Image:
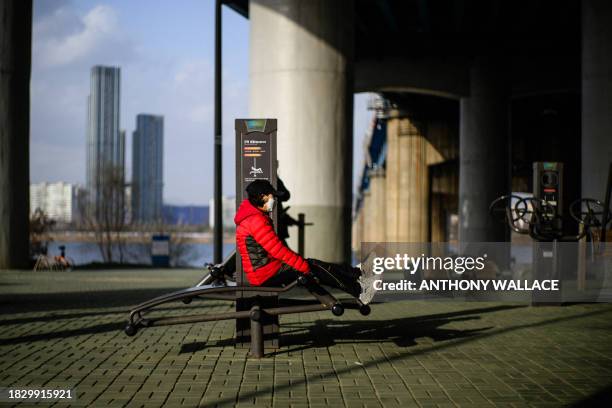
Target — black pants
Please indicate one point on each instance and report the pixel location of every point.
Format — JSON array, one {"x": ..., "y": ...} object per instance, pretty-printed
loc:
[{"x": 343, "y": 277}]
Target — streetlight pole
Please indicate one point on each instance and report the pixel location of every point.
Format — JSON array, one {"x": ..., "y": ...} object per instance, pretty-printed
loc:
[{"x": 218, "y": 231}]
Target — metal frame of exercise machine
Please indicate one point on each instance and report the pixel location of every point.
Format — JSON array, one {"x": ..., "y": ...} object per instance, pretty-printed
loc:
[{"x": 215, "y": 285}]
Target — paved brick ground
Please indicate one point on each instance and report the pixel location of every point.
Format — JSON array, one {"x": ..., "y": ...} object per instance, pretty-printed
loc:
[{"x": 64, "y": 330}]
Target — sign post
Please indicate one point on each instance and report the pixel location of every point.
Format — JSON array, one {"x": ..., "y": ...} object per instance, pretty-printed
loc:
[
  {"x": 547, "y": 262},
  {"x": 160, "y": 250},
  {"x": 255, "y": 160}
]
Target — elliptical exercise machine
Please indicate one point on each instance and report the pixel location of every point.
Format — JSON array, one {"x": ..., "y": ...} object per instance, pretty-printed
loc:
[{"x": 540, "y": 216}]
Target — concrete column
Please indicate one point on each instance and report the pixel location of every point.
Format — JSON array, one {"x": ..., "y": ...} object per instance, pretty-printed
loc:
[
  {"x": 392, "y": 187},
  {"x": 15, "y": 51},
  {"x": 406, "y": 181},
  {"x": 377, "y": 207},
  {"x": 414, "y": 189},
  {"x": 301, "y": 73},
  {"x": 596, "y": 96},
  {"x": 483, "y": 153},
  {"x": 368, "y": 217},
  {"x": 358, "y": 234}
]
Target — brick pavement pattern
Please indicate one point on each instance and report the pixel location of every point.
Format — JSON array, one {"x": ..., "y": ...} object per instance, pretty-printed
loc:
[{"x": 64, "y": 330}]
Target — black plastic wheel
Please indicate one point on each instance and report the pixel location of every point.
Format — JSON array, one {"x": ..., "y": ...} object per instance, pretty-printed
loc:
[
  {"x": 187, "y": 300},
  {"x": 365, "y": 310},
  {"x": 130, "y": 329},
  {"x": 337, "y": 309}
]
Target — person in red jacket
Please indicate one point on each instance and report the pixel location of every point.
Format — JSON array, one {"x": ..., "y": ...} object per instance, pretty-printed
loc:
[{"x": 266, "y": 261}]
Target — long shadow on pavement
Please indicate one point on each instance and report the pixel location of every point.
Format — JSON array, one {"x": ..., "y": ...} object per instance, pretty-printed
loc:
[
  {"x": 96, "y": 329},
  {"x": 30, "y": 338},
  {"x": 602, "y": 398},
  {"x": 412, "y": 353},
  {"x": 55, "y": 315},
  {"x": 43, "y": 302},
  {"x": 55, "y": 303},
  {"x": 403, "y": 331}
]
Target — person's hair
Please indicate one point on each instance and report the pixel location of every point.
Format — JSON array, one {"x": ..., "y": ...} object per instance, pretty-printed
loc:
[
  {"x": 257, "y": 200},
  {"x": 257, "y": 190}
]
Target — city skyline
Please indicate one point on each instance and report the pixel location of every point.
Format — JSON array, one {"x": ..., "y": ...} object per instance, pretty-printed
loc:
[{"x": 169, "y": 72}]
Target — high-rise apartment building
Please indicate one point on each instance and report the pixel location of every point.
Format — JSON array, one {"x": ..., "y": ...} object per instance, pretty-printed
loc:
[
  {"x": 228, "y": 210},
  {"x": 59, "y": 201},
  {"x": 147, "y": 168},
  {"x": 105, "y": 143}
]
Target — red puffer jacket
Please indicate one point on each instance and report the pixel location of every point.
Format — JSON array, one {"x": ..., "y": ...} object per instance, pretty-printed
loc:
[{"x": 260, "y": 249}]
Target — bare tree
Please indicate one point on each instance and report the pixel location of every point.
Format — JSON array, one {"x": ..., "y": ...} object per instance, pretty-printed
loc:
[
  {"x": 181, "y": 251},
  {"x": 105, "y": 214},
  {"x": 40, "y": 225}
]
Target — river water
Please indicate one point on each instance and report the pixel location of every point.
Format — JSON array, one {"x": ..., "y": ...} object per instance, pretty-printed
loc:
[{"x": 194, "y": 255}]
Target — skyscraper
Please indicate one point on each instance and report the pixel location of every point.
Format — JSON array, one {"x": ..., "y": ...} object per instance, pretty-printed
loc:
[
  {"x": 105, "y": 144},
  {"x": 147, "y": 168}
]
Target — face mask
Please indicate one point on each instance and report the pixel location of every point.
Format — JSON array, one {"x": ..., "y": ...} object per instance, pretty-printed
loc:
[{"x": 270, "y": 204}]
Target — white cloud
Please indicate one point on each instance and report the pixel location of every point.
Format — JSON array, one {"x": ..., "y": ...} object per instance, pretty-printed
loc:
[
  {"x": 177, "y": 85},
  {"x": 201, "y": 113},
  {"x": 192, "y": 88},
  {"x": 198, "y": 72},
  {"x": 63, "y": 37}
]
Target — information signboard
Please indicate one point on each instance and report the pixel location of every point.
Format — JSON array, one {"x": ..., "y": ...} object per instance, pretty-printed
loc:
[{"x": 255, "y": 160}]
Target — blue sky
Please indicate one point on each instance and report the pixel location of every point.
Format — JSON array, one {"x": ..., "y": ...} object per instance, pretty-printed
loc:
[{"x": 165, "y": 51}]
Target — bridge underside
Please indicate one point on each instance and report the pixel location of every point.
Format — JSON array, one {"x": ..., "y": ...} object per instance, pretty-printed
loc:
[
  {"x": 498, "y": 83},
  {"x": 479, "y": 90}
]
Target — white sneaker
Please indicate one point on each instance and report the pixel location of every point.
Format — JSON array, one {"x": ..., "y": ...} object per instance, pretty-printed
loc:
[
  {"x": 367, "y": 266},
  {"x": 367, "y": 289}
]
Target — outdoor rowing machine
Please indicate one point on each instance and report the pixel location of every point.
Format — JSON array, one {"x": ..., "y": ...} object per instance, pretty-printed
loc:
[{"x": 230, "y": 291}]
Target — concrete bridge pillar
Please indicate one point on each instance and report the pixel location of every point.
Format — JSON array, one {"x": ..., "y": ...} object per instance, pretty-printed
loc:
[
  {"x": 376, "y": 207},
  {"x": 357, "y": 235},
  {"x": 15, "y": 51},
  {"x": 301, "y": 56},
  {"x": 406, "y": 180},
  {"x": 596, "y": 96},
  {"x": 483, "y": 152},
  {"x": 367, "y": 219}
]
